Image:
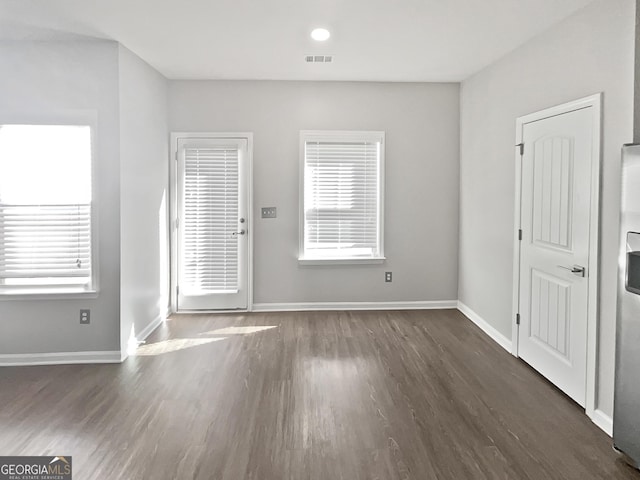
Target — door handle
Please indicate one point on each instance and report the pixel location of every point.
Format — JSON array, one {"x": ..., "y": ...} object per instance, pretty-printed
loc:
[
  {"x": 576, "y": 270},
  {"x": 241, "y": 232}
]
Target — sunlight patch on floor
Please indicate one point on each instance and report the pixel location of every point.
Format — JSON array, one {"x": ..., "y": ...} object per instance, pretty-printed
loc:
[
  {"x": 239, "y": 330},
  {"x": 172, "y": 345}
]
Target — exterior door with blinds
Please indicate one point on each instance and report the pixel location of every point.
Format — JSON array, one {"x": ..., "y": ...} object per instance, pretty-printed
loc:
[{"x": 212, "y": 223}]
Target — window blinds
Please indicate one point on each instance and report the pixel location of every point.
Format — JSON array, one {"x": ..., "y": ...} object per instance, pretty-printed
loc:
[
  {"x": 45, "y": 244},
  {"x": 341, "y": 199},
  {"x": 210, "y": 216},
  {"x": 45, "y": 206}
]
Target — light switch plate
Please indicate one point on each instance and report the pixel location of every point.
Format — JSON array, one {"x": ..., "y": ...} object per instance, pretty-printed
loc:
[{"x": 268, "y": 212}]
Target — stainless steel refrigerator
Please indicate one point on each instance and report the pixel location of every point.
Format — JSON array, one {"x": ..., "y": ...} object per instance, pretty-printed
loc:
[{"x": 626, "y": 415}]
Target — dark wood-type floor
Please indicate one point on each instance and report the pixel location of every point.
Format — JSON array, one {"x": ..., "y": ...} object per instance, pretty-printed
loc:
[{"x": 331, "y": 395}]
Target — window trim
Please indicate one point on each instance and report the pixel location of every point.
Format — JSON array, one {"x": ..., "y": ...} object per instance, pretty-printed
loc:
[
  {"x": 341, "y": 135},
  {"x": 81, "y": 117}
]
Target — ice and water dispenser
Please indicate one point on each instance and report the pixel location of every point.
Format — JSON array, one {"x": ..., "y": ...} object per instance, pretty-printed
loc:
[{"x": 633, "y": 263}]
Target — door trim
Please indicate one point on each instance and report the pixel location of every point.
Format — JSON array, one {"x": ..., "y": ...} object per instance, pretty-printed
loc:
[
  {"x": 173, "y": 200},
  {"x": 594, "y": 102}
]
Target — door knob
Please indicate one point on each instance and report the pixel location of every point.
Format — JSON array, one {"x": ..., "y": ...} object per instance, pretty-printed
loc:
[
  {"x": 576, "y": 270},
  {"x": 241, "y": 232}
]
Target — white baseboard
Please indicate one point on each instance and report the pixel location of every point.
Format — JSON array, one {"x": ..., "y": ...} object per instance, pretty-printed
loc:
[
  {"x": 133, "y": 344},
  {"x": 495, "y": 335},
  {"x": 66, "y": 358},
  {"x": 58, "y": 358},
  {"x": 603, "y": 421},
  {"x": 310, "y": 306},
  {"x": 149, "y": 329}
]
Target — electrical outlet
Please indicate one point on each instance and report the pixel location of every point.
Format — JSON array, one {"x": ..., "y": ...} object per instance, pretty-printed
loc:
[
  {"x": 268, "y": 212},
  {"x": 85, "y": 317},
  {"x": 388, "y": 277}
]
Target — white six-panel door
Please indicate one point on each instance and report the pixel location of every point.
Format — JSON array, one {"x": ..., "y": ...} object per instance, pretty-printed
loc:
[{"x": 554, "y": 251}]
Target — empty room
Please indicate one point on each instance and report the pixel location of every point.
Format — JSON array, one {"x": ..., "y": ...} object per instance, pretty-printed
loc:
[{"x": 304, "y": 239}]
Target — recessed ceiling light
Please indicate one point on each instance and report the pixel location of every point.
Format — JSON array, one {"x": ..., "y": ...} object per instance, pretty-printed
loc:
[{"x": 320, "y": 34}]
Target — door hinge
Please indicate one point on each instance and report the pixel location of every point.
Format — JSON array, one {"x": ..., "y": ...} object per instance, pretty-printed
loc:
[
  {"x": 517, "y": 319},
  {"x": 177, "y": 289},
  {"x": 521, "y": 147},
  {"x": 520, "y": 234},
  {"x": 177, "y": 223},
  {"x": 176, "y": 155}
]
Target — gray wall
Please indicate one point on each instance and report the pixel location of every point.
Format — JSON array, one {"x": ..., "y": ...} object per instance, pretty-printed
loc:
[
  {"x": 47, "y": 78},
  {"x": 144, "y": 151},
  {"x": 636, "y": 110},
  {"x": 593, "y": 51},
  {"x": 421, "y": 200}
]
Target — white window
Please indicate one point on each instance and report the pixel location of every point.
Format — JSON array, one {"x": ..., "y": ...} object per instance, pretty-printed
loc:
[
  {"x": 45, "y": 209},
  {"x": 341, "y": 191}
]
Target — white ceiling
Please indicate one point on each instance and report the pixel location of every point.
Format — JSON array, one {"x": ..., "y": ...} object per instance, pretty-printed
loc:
[{"x": 372, "y": 40}]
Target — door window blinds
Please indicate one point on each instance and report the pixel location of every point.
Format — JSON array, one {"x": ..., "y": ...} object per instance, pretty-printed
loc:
[
  {"x": 209, "y": 218},
  {"x": 342, "y": 197},
  {"x": 45, "y": 207}
]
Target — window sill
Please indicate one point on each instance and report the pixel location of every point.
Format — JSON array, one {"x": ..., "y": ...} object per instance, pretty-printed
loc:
[
  {"x": 341, "y": 261},
  {"x": 49, "y": 294}
]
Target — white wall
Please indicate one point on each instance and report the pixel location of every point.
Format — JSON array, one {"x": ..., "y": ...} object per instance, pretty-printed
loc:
[
  {"x": 144, "y": 153},
  {"x": 48, "y": 78},
  {"x": 592, "y": 51},
  {"x": 421, "y": 200}
]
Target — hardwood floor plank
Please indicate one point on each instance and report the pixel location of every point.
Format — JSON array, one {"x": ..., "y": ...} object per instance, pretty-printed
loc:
[{"x": 316, "y": 395}]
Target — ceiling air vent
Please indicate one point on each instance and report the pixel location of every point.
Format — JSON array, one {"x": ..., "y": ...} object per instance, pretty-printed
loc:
[{"x": 318, "y": 58}]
